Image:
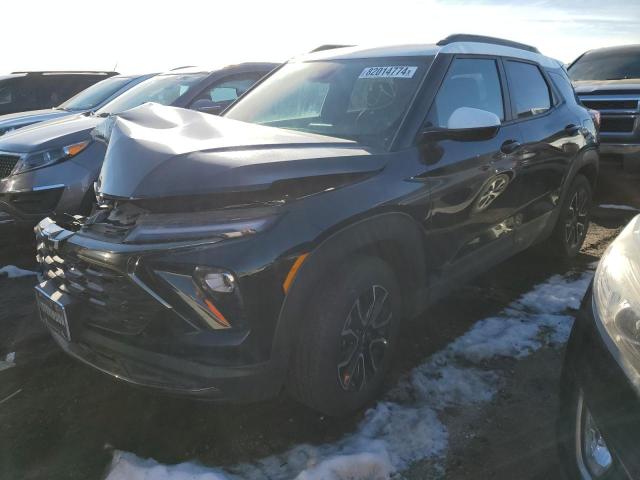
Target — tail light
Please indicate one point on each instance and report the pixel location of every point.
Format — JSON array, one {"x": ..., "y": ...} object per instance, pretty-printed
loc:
[{"x": 595, "y": 115}]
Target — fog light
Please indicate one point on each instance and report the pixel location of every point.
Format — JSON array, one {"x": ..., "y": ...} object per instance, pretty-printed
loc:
[
  {"x": 596, "y": 457},
  {"x": 221, "y": 282}
]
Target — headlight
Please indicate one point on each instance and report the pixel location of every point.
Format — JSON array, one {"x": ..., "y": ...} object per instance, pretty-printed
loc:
[
  {"x": 616, "y": 290},
  {"x": 203, "y": 225},
  {"x": 31, "y": 161}
]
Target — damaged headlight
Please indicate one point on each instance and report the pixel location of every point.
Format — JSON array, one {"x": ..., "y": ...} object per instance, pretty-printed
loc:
[
  {"x": 32, "y": 161},
  {"x": 616, "y": 291},
  {"x": 173, "y": 227}
]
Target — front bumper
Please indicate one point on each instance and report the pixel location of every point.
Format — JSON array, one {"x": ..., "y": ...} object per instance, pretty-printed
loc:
[
  {"x": 620, "y": 149},
  {"x": 29, "y": 206},
  {"x": 592, "y": 365},
  {"x": 28, "y": 197},
  {"x": 124, "y": 321}
]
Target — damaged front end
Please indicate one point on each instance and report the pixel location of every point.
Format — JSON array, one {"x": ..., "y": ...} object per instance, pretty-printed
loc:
[{"x": 176, "y": 279}]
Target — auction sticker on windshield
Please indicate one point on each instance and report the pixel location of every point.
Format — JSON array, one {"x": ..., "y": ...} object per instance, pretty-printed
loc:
[{"x": 397, "y": 71}]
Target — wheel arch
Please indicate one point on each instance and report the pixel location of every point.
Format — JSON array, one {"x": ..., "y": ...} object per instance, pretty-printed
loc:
[{"x": 394, "y": 237}]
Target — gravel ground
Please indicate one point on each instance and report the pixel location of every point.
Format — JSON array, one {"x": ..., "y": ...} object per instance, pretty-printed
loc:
[{"x": 62, "y": 419}]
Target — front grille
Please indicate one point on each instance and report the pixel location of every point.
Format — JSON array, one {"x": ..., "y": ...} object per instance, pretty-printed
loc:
[
  {"x": 617, "y": 124},
  {"x": 108, "y": 299},
  {"x": 611, "y": 104},
  {"x": 7, "y": 164}
]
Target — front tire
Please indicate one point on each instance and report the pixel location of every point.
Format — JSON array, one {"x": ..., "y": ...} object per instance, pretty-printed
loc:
[{"x": 347, "y": 341}]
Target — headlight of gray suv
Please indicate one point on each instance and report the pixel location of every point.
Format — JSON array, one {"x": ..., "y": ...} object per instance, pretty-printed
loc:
[
  {"x": 616, "y": 291},
  {"x": 32, "y": 161}
]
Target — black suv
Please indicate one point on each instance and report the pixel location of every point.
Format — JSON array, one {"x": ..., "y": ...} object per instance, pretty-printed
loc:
[
  {"x": 282, "y": 244},
  {"x": 608, "y": 80},
  {"x": 22, "y": 91}
]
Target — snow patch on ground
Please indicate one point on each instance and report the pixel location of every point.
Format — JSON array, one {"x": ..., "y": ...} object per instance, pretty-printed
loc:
[
  {"x": 12, "y": 271},
  {"x": 8, "y": 362},
  {"x": 406, "y": 427}
]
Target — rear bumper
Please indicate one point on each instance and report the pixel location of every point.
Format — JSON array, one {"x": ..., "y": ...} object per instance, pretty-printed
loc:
[
  {"x": 620, "y": 149},
  {"x": 612, "y": 398}
]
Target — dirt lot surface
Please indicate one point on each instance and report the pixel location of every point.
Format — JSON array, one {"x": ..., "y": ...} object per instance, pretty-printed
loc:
[{"x": 61, "y": 420}]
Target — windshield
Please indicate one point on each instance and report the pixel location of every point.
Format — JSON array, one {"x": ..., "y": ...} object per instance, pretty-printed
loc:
[
  {"x": 163, "y": 89},
  {"x": 606, "y": 66},
  {"x": 363, "y": 100},
  {"x": 96, "y": 94}
]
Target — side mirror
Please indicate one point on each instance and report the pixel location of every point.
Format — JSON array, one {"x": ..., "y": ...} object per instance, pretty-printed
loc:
[
  {"x": 205, "y": 105},
  {"x": 465, "y": 124}
]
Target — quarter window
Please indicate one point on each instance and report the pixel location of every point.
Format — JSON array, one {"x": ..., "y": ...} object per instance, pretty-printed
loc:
[
  {"x": 529, "y": 89},
  {"x": 472, "y": 83}
]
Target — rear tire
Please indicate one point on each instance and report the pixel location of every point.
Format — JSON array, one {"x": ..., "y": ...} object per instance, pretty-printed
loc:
[
  {"x": 573, "y": 222},
  {"x": 347, "y": 340}
]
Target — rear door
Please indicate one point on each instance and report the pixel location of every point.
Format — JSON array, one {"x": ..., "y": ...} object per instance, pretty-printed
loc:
[
  {"x": 472, "y": 183},
  {"x": 549, "y": 133}
]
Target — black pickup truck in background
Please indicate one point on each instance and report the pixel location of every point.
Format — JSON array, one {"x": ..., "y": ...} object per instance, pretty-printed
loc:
[{"x": 608, "y": 80}]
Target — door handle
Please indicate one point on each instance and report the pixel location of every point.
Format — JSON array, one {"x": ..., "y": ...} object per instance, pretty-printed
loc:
[
  {"x": 510, "y": 146},
  {"x": 572, "y": 129}
]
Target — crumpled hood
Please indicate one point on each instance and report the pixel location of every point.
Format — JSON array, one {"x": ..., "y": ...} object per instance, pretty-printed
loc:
[
  {"x": 158, "y": 151},
  {"x": 593, "y": 86},
  {"x": 22, "y": 119},
  {"x": 52, "y": 134}
]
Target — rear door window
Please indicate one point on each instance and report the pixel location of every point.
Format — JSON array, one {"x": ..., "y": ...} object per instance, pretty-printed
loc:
[
  {"x": 472, "y": 83},
  {"x": 529, "y": 90}
]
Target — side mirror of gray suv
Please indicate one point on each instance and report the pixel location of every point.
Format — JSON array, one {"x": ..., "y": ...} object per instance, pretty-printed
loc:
[{"x": 205, "y": 105}]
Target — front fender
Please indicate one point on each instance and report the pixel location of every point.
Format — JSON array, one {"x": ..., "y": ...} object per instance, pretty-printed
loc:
[{"x": 395, "y": 236}]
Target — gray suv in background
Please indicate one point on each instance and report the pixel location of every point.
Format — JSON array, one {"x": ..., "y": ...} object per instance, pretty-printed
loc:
[
  {"x": 608, "y": 80},
  {"x": 50, "y": 167},
  {"x": 88, "y": 100}
]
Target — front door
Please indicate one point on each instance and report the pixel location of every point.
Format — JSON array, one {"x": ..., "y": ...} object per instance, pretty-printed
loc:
[{"x": 472, "y": 184}]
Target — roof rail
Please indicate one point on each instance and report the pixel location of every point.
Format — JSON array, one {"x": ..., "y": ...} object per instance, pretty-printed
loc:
[
  {"x": 43, "y": 72},
  {"x": 463, "y": 37},
  {"x": 328, "y": 47}
]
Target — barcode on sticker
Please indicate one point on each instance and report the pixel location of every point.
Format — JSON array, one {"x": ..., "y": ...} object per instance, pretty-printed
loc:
[{"x": 397, "y": 71}]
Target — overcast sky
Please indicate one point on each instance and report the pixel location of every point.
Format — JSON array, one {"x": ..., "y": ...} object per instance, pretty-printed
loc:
[{"x": 142, "y": 35}]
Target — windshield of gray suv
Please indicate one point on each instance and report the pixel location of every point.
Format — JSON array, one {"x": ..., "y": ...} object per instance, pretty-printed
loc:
[
  {"x": 95, "y": 94},
  {"x": 363, "y": 100},
  {"x": 163, "y": 89},
  {"x": 606, "y": 65}
]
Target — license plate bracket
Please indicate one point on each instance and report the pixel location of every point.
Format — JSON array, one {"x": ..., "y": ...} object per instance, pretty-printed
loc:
[{"x": 53, "y": 313}]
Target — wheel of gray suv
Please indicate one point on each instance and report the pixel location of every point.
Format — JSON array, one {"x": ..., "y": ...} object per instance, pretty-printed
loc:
[
  {"x": 582, "y": 448},
  {"x": 348, "y": 337},
  {"x": 573, "y": 222}
]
